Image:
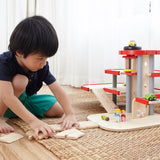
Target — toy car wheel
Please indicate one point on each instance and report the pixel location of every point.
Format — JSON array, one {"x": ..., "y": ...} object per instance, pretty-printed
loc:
[
  {"x": 150, "y": 99},
  {"x": 154, "y": 99},
  {"x": 132, "y": 48}
]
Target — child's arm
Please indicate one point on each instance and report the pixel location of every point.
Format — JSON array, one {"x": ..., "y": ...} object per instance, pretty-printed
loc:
[
  {"x": 12, "y": 102},
  {"x": 69, "y": 119}
]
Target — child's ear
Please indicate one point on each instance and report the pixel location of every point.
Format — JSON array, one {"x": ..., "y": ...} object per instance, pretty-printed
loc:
[{"x": 19, "y": 54}]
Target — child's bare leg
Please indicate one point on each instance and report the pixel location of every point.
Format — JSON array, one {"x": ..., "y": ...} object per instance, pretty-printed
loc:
[
  {"x": 19, "y": 84},
  {"x": 55, "y": 111},
  {"x": 4, "y": 127}
]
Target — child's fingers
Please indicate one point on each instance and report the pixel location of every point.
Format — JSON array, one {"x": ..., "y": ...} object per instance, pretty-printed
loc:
[
  {"x": 43, "y": 131},
  {"x": 36, "y": 134},
  {"x": 46, "y": 132},
  {"x": 50, "y": 131},
  {"x": 60, "y": 122},
  {"x": 66, "y": 125}
]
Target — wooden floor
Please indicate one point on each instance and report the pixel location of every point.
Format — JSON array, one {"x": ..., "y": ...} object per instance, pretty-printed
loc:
[{"x": 24, "y": 149}]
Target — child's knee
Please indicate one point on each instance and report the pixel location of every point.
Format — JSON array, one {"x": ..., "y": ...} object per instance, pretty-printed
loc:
[
  {"x": 19, "y": 83},
  {"x": 55, "y": 111},
  {"x": 59, "y": 111}
]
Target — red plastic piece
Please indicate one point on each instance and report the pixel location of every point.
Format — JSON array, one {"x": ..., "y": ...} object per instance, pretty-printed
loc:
[
  {"x": 151, "y": 52},
  {"x": 139, "y": 52},
  {"x": 142, "y": 100},
  {"x": 114, "y": 71},
  {"x": 157, "y": 88},
  {"x": 156, "y": 73},
  {"x": 119, "y": 71},
  {"x": 111, "y": 91},
  {"x": 85, "y": 88},
  {"x": 132, "y": 52},
  {"x": 130, "y": 73},
  {"x": 157, "y": 96}
]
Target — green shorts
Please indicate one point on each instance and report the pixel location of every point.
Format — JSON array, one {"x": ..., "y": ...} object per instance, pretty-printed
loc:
[{"x": 36, "y": 104}]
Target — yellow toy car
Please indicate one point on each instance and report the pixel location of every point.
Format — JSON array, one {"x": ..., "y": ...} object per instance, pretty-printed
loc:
[{"x": 132, "y": 43}]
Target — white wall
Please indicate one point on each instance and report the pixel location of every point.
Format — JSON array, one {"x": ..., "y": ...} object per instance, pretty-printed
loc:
[{"x": 91, "y": 32}]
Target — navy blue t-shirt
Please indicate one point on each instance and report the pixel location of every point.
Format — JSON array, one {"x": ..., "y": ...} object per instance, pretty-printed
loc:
[{"x": 9, "y": 67}]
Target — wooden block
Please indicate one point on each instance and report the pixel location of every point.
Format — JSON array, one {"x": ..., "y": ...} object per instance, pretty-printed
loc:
[
  {"x": 82, "y": 125},
  {"x": 57, "y": 128},
  {"x": 30, "y": 135},
  {"x": 70, "y": 134},
  {"x": 139, "y": 110},
  {"x": 10, "y": 137},
  {"x": 133, "y": 88},
  {"x": 87, "y": 125},
  {"x": 75, "y": 135}
]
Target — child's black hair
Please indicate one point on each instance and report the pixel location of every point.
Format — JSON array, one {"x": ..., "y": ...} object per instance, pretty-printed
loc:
[{"x": 34, "y": 34}]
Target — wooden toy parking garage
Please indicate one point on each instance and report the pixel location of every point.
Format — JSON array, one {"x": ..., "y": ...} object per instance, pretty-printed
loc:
[{"x": 140, "y": 73}]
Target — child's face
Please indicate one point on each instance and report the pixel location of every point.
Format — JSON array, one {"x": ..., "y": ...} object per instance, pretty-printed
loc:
[{"x": 32, "y": 62}]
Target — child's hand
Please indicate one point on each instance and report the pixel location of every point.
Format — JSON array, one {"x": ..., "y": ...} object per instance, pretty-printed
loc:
[
  {"x": 69, "y": 121},
  {"x": 40, "y": 126}
]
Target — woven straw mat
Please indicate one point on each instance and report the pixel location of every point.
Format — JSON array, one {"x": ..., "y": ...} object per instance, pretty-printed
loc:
[{"x": 98, "y": 144}]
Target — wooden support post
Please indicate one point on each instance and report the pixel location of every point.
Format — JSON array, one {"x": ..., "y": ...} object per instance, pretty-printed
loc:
[
  {"x": 133, "y": 79},
  {"x": 127, "y": 63},
  {"x": 134, "y": 65}
]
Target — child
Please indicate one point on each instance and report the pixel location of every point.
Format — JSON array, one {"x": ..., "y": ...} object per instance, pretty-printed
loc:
[{"x": 23, "y": 70}]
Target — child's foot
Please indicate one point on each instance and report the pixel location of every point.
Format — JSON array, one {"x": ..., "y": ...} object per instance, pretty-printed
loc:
[{"x": 5, "y": 128}]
